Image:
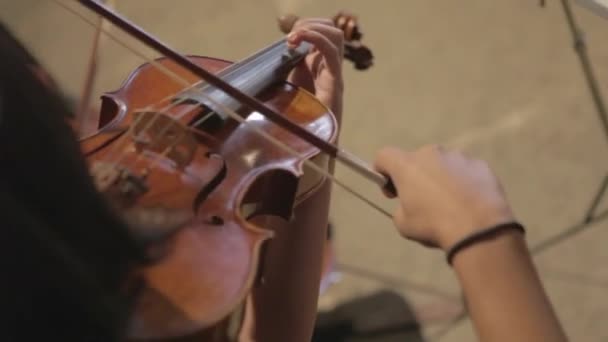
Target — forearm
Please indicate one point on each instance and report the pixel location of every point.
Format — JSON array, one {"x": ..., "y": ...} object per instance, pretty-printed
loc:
[
  {"x": 504, "y": 294},
  {"x": 284, "y": 307}
]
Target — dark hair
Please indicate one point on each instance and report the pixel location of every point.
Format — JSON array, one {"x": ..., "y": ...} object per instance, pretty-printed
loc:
[{"x": 66, "y": 255}]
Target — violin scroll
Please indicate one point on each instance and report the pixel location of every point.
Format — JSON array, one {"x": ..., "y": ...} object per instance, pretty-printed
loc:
[
  {"x": 354, "y": 50},
  {"x": 347, "y": 22}
]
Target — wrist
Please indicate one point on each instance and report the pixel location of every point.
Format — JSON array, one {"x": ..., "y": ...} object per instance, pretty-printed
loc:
[
  {"x": 503, "y": 245},
  {"x": 481, "y": 236},
  {"x": 456, "y": 230}
]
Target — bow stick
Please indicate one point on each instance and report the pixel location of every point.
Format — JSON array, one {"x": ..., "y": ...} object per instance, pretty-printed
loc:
[
  {"x": 345, "y": 157},
  {"x": 83, "y": 110}
]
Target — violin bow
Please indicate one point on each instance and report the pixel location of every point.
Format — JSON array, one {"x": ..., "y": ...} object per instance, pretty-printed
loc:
[
  {"x": 83, "y": 111},
  {"x": 346, "y": 158}
]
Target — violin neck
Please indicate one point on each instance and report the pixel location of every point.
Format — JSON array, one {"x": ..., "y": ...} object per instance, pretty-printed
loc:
[{"x": 251, "y": 75}]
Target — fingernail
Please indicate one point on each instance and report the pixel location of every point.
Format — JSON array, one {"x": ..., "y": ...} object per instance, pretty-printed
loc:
[{"x": 292, "y": 36}]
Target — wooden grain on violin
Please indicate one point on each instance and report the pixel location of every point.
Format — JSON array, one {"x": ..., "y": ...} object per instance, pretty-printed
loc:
[
  {"x": 196, "y": 188},
  {"x": 230, "y": 176}
]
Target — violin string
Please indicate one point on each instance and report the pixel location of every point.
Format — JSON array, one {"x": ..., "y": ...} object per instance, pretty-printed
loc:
[
  {"x": 158, "y": 158},
  {"x": 247, "y": 124},
  {"x": 118, "y": 153},
  {"x": 157, "y": 114},
  {"x": 227, "y": 72},
  {"x": 117, "y": 149},
  {"x": 241, "y": 120},
  {"x": 183, "y": 112},
  {"x": 119, "y": 145},
  {"x": 123, "y": 141},
  {"x": 255, "y": 66},
  {"x": 177, "y": 116}
]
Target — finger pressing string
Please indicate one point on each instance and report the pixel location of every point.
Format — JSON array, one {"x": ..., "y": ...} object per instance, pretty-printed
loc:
[{"x": 322, "y": 43}]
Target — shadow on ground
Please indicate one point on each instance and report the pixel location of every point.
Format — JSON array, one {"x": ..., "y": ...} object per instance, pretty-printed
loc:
[{"x": 381, "y": 316}]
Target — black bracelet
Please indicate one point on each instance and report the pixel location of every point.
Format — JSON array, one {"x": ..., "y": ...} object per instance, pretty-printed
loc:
[{"x": 480, "y": 235}]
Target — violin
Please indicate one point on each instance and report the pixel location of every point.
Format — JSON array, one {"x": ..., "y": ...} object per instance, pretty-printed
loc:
[{"x": 182, "y": 171}]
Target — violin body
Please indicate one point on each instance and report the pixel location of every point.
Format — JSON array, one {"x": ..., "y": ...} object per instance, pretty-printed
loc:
[{"x": 212, "y": 183}]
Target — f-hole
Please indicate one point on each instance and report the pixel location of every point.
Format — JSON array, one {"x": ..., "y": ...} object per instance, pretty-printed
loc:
[
  {"x": 273, "y": 193},
  {"x": 109, "y": 110},
  {"x": 270, "y": 198}
]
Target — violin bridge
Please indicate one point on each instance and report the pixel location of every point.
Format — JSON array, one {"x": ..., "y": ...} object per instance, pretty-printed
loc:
[{"x": 165, "y": 136}]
